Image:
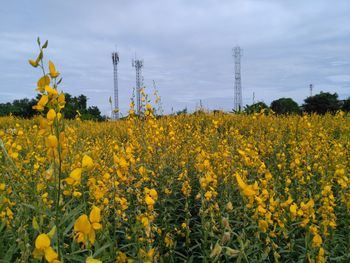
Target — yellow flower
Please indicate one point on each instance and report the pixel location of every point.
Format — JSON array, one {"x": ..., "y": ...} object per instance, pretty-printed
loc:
[
  {"x": 317, "y": 241},
  {"x": 50, "y": 254},
  {"x": 263, "y": 225},
  {"x": 82, "y": 225},
  {"x": 33, "y": 63},
  {"x": 248, "y": 190},
  {"x": 83, "y": 230},
  {"x": 293, "y": 209},
  {"x": 87, "y": 162},
  {"x": 42, "y": 82},
  {"x": 51, "y": 115},
  {"x": 92, "y": 260},
  {"x": 320, "y": 257},
  {"x": 61, "y": 100},
  {"x": 153, "y": 194},
  {"x": 52, "y": 141},
  {"x": 95, "y": 217},
  {"x": 51, "y": 92},
  {"x": 208, "y": 195},
  {"x": 43, "y": 248},
  {"x": 149, "y": 201},
  {"x": 53, "y": 72},
  {"x": 41, "y": 103},
  {"x": 74, "y": 177},
  {"x": 42, "y": 242},
  {"x": 168, "y": 240}
]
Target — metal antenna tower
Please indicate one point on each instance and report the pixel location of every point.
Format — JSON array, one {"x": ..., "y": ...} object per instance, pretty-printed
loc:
[
  {"x": 311, "y": 87},
  {"x": 138, "y": 64},
  {"x": 238, "y": 88},
  {"x": 115, "y": 60}
]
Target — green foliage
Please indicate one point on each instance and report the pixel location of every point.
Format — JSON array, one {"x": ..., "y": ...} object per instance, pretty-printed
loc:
[
  {"x": 180, "y": 112},
  {"x": 285, "y": 106},
  {"x": 322, "y": 103},
  {"x": 24, "y": 108},
  {"x": 20, "y": 108},
  {"x": 255, "y": 108},
  {"x": 346, "y": 105}
]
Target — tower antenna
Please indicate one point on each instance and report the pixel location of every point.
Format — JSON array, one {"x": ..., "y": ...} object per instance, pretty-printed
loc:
[
  {"x": 311, "y": 87},
  {"x": 115, "y": 60},
  {"x": 237, "y": 87},
  {"x": 138, "y": 64}
]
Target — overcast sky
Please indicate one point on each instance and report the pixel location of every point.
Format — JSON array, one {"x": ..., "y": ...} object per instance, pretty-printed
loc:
[{"x": 186, "y": 46}]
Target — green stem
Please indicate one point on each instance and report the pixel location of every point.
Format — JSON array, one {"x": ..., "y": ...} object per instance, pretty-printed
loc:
[{"x": 57, "y": 221}]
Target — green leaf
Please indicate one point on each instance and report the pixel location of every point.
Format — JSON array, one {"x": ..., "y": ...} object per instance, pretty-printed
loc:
[
  {"x": 38, "y": 41},
  {"x": 59, "y": 81},
  {"x": 101, "y": 249},
  {"x": 45, "y": 44}
]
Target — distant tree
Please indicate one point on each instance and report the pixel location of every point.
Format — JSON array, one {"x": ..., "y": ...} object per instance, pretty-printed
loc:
[
  {"x": 285, "y": 106},
  {"x": 20, "y": 108},
  {"x": 254, "y": 108},
  {"x": 218, "y": 112},
  {"x": 92, "y": 113},
  {"x": 70, "y": 108},
  {"x": 322, "y": 103},
  {"x": 81, "y": 102},
  {"x": 24, "y": 108},
  {"x": 346, "y": 105},
  {"x": 182, "y": 112},
  {"x": 5, "y": 108}
]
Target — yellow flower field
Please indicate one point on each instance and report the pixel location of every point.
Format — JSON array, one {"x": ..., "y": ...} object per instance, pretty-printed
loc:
[{"x": 192, "y": 188}]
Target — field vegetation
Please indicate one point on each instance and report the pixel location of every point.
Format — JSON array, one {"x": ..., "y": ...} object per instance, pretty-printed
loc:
[{"x": 190, "y": 188}]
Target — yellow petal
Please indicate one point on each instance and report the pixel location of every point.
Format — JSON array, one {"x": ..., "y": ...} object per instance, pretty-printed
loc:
[
  {"x": 43, "y": 81},
  {"x": 50, "y": 254},
  {"x": 149, "y": 200},
  {"x": 240, "y": 182},
  {"x": 51, "y": 115},
  {"x": 95, "y": 215},
  {"x": 92, "y": 260},
  {"x": 53, "y": 72},
  {"x": 52, "y": 141},
  {"x": 82, "y": 224},
  {"x": 263, "y": 225},
  {"x": 92, "y": 236},
  {"x": 43, "y": 101},
  {"x": 96, "y": 226},
  {"x": 61, "y": 99},
  {"x": 33, "y": 63},
  {"x": 51, "y": 91},
  {"x": 42, "y": 241},
  {"x": 153, "y": 194},
  {"x": 87, "y": 162},
  {"x": 76, "y": 175},
  {"x": 70, "y": 180}
]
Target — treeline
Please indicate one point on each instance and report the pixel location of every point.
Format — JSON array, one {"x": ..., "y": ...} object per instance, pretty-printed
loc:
[
  {"x": 321, "y": 103},
  {"x": 74, "y": 106}
]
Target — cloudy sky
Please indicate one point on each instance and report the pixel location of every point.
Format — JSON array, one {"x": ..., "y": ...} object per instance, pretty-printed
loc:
[{"x": 186, "y": 47}]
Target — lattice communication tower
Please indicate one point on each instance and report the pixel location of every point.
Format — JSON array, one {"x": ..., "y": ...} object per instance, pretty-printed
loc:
[
  {"x": 237, "y": 54},
  {"x": 115, "y": 60},
  {"x": 311, "y": 87},
  {"x": 138, "y": 65}
]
